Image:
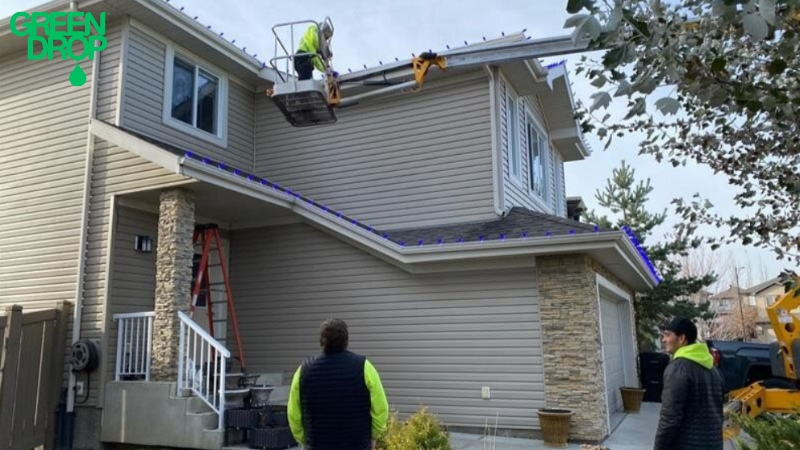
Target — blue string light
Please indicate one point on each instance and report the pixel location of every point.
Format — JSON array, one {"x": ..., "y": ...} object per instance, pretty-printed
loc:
[
  {"x": 635, "y": 241},
  {"x": 502, "y": 236},
  {"x": 556, "y": 64}
]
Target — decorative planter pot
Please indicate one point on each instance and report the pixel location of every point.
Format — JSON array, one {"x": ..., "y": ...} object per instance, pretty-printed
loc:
[
  {"x": 632, "y": 399},
  {"x": 248, "y": 380},
  {"x": 259, "y": 396},
  {"x": 271, "y": 438},
  {"x": 232, "y": 380},
  {"x": 555, "y": 426},
  {"x": 234, "y": 399}
]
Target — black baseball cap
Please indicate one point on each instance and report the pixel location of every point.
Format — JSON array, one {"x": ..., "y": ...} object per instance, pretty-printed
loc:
[{"x": 682, "y": 326}]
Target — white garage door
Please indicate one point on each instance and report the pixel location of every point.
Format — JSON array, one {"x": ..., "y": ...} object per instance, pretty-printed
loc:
[{"x": 610, "y": 315}]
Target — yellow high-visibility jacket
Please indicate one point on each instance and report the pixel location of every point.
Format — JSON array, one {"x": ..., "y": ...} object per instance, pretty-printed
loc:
[{"x": 309, "y": 43}]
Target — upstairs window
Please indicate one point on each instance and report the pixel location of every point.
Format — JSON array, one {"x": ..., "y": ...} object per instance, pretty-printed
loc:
[
  {"x": 194, "y": 100},
  {"x": 771, "y": 299},
  {"x": 538, "y": 151}
]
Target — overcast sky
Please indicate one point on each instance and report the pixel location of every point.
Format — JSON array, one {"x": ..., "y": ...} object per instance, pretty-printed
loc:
[{"x": 369, "y": 31}]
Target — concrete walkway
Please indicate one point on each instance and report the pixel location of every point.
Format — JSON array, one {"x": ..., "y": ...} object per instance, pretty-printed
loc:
[
  {"x": 635, "y": 432},
  {"x": 638, "y": 431}
]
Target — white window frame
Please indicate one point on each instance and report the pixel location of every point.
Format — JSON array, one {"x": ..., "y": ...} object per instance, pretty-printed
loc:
[
  {"x": 513, "y": 133},
  {"x": 751, "y": 300},
  {"x": 559, "y": 196},
  {"x": 767, "y": 303},
  {"x": 221, "y": 137},
  {"x": 546, "y": 155}
]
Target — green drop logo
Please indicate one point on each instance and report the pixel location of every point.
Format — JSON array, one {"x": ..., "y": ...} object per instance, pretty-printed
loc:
[{"x": 77, "y": 77}]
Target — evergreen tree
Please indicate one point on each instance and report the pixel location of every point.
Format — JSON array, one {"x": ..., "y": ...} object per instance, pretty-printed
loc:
[{"x": 626, "y": 198}]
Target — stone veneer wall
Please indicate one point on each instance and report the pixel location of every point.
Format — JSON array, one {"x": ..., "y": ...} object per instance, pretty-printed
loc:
[
  {"x": 173, "y": 279},
  {"x": 573, "y": 366}
]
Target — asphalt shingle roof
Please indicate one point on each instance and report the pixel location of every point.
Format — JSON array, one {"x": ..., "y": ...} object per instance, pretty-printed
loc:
[{"x": 518, "y": 223}]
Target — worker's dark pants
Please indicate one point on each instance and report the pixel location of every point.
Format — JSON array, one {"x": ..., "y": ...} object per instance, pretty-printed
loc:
[{"x": 303, "y": 66}]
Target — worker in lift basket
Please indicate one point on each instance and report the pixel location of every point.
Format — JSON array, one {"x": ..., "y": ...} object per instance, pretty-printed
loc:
[{"x": 310, "y": 43}]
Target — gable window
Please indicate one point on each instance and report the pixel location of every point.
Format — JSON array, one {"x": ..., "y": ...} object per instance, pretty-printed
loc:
[
  {"x": 537, "y": 160},
  {"x": 194, "y": 99},
  {"x": 512, "y": 115}
]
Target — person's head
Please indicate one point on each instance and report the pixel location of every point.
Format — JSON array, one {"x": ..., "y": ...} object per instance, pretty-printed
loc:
[
  {"x": 326, "y": 30},
  {"x": 678, "y": 333},
  {"x": 333, "y": 336}
]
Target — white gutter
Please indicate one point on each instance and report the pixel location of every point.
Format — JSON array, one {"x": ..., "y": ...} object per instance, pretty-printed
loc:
[
  {"x": 405, "y": 256},
  {"x": 210, "y": 38},
  {"x": 84, "y": 237}
]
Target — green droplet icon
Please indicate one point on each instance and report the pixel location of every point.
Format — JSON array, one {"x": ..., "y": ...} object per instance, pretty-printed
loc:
[{"x": 77, "y": 77}]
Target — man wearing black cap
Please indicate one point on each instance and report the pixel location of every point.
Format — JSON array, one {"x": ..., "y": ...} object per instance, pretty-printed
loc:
[{"x": 692, "y": 400}]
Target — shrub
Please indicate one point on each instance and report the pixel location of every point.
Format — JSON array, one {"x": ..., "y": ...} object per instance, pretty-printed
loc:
[
  {"x": 770, "y": 432},
  {"x": 422, "y": 431}
]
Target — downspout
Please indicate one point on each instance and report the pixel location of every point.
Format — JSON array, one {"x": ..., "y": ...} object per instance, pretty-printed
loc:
[
  {"x": 497, "y": 162},
  {"x": 82, "y": 248}
]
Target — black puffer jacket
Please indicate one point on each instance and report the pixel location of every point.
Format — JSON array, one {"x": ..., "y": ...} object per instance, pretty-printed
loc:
[{"x": 691, "y": 408}]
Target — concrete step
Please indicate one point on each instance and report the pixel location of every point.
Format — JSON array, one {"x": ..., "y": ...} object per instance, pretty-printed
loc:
[{"x": 202, "y": 421}]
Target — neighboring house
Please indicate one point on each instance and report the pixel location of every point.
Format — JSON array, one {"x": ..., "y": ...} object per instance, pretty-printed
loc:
[
  {"x": 762, "y": 296},
  {"x": 435, "y": 224},
  {"x": 724, "y": 302}
]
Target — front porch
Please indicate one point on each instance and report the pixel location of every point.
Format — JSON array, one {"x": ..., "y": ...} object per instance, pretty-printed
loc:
[{"x": 177, "y": 374}]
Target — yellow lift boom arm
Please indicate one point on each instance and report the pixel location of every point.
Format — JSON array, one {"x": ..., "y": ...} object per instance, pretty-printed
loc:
[{"x": 763, "y": 397}]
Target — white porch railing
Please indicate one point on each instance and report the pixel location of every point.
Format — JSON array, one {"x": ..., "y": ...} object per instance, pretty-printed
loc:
[
  {"x": 201, "y": 366},
  {"x": 134, "y": 344}
]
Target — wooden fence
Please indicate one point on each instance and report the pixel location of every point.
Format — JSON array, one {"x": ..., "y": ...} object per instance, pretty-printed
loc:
[{"x": 31, "y": 370}]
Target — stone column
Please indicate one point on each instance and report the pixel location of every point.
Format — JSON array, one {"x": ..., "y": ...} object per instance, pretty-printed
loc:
[
  {"x": 573, "y": 364},
  {"x": 173, "y": 279}
]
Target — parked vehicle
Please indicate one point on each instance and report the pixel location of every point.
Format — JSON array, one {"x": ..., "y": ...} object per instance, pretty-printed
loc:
[{"x": 741, "y": 363}]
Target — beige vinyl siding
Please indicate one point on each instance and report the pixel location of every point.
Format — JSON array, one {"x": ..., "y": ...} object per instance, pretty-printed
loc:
[
  {"x": 43, "y": 133},
  {"x": 436, "y": 339},
  {"x": 115, "y": 170},
  {"x": 517, "y": 192},
  {"x": 108, "y": 78},
  {"x": 143, "y": 105},
  {"x": 133, "y": 277},
  {"x": 409, "y": 160}
]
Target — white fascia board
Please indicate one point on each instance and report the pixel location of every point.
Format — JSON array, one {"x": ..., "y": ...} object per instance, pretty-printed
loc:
[
  {"x": 203, "y": 34},
  {"x": 227, "y": 180},
  {"x": 133, "y": 144},
  {"x": 632, "y": 257},
  {"x": 561, "y": 71},
  {"x": 406, "y": 257}
]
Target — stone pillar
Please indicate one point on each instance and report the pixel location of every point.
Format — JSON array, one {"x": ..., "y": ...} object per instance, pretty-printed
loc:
[
  {"x": 573, "y": 364},
  {"x": 173, "y": 279}
]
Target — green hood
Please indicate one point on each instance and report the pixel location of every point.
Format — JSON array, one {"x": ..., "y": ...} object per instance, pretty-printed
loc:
[{"x": 697, "y": 352}]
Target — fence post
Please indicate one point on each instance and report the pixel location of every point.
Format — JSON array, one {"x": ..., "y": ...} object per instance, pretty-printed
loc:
[
  {"x": 56, "y": 377},
  {"x": 9, "y": 364}
]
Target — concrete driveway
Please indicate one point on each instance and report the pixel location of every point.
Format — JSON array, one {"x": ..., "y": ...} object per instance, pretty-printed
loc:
[{"x": 638, "y": 431}]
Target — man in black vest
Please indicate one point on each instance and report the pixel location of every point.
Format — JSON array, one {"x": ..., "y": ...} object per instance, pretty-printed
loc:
[{"x": 336, "y": 401}]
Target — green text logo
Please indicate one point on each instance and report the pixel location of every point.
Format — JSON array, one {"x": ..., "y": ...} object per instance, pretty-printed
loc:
[{"x": 62, "y": 30}]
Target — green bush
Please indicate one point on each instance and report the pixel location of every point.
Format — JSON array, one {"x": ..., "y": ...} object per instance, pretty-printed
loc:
[
  {"x": 422, "y": 431},
  {"x": 770, "y": 432}
]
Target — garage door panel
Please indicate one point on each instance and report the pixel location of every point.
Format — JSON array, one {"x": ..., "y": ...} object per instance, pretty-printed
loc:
[{"x": 612, "y": 352}]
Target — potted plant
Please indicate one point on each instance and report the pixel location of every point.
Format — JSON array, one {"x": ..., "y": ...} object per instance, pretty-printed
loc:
[
  {"x": 555, "y": 426},
  {"x": 632, "y": 399}
]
